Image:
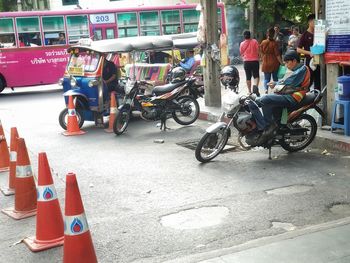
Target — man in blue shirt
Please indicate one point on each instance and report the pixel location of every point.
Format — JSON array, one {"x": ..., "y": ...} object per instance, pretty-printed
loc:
[
  {"x": 188, "y": 62},
  {"x": 295, "y": 88}
]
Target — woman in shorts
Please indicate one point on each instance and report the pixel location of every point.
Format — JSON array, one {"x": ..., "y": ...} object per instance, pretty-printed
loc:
[{"x": 249, "y": 50}]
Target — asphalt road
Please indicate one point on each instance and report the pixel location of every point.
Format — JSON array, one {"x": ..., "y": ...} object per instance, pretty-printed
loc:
[{"x": 128, "y": 183}]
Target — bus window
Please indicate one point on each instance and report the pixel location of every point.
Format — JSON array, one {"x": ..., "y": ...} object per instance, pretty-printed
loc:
[
  {"x": 7, "y": 33},
  {"x": 190, "y": 20},
  {"x": 170, "y": 22},
  {"x": 149, "y": 22},
  {"x": 78, "y": 27},
  {"x": 127, "y": 25},
  {"x": 53, "y": 27},
  {"x": 97, "y": 34},
  {"x": 28, "y": 31},
  {"x": 110, "y": 33}
]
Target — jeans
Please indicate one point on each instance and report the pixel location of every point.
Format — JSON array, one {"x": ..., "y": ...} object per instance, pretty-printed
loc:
[
  {"x": 259, "y": 118},
  {"x": 267, "y": 78},
  {"x": 273, "y": 103}
]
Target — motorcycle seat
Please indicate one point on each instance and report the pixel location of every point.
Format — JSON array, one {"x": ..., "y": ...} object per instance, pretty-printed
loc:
[
  {"x": 308, "y": 99},
  {"x": 159, "y": 90}
]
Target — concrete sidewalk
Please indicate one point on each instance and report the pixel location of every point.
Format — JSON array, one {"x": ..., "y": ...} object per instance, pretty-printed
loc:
[
  {"x": 325, "y": 243},
  {"x": 327, "y": 246}
]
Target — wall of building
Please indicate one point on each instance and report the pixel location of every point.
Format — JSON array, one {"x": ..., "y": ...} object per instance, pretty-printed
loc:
[{"x": 100, "y": 4}]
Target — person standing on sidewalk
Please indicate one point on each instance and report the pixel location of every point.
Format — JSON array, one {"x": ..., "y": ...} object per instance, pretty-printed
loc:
[
  {"x": 305, "y": 42},
  {"x": 278, "y": 37},
  {"x": 249, "y": 50},
  {"x": 293, "y": 40},
  {"x": 271, "y": 58}
]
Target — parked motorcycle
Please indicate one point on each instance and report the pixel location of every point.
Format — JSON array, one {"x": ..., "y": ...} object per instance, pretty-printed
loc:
[
  {"x": 167, "y": 101},
  {"x": 296, "y": 134}
]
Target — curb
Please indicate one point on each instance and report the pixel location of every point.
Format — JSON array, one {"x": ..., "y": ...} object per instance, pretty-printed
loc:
[
  {"x": 323, "y": 140},
  {"x": 207, "y": 116}
]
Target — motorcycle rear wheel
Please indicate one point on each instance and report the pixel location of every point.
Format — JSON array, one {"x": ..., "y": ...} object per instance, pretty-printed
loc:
[
  {"x": 121, "y": 122},
  {"x": 211, "y": 145},
  {"x": 189, "y": 113},
  {"x": 303, "y": 121}
]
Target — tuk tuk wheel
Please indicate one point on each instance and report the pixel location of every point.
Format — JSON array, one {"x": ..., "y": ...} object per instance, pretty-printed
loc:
[
  {"x": 2, "y": 84},
  {"x": 63, "y": 118}
]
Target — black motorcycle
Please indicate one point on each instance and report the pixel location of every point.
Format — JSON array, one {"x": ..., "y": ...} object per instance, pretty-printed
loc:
[
  {"x": 296, "y": 134},
  {"x": 167, "y": 101}
]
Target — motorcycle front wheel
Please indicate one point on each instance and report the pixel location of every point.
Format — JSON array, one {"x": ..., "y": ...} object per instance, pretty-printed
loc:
[
  {"x": 305, "y": 122},
  {"x": 121, "y": 122},
  {"x": 189, "y": 111},
  {"x": 211, "y": 145}
]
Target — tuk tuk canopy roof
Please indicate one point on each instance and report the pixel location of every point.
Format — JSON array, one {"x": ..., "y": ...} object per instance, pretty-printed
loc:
[
  {"x": 143, "y": 43},
  {"x": 186, "y": 43}
]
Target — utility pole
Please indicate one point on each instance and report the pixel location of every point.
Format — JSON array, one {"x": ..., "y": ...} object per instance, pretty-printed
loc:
[
  {"x": 252, "y": 17},
  {"x": 212, "y": 67},
  {"x": 19, "y": 5}
]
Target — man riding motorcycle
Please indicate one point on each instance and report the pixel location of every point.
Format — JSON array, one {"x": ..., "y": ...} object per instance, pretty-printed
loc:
[{"x": 289, "y": 92}]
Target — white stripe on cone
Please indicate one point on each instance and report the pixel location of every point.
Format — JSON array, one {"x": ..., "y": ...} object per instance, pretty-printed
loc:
[
  {"x": 46, "y": 193},
  {"x": 75, "y": 225},
  {"x": 24, "y": 171},
  {"x": 71, "y": 112},
  {"x": 113, "y": 109},
  {"x": 13, "y": 156}
]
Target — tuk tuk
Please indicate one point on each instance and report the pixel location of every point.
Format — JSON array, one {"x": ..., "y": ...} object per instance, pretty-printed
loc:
[{"x": 83, "y": 78}]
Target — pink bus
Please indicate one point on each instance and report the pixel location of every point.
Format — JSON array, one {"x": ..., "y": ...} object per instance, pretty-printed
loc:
[{"x": 33, "y": 44}]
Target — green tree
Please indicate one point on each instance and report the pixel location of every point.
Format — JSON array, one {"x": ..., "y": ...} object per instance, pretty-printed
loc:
[
  {"x": 274, "y": 11},
  {"x": 277, "y": 11},
  {"x": 8, "y": 5}
]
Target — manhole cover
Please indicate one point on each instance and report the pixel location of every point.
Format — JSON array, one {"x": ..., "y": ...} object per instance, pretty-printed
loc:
[
  {"x": 288, "y": 190},
  {"x": 196, "y": 218},
  {"x": 340, "y": 209},
  {"x": 192, "y": 144},
  {"x": 285, "y": 226}
]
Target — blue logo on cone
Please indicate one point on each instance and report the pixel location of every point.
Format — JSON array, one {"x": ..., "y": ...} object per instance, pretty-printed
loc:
[
  {"x": 76, "y": 226},
  {"x": 48, "y": 194}
]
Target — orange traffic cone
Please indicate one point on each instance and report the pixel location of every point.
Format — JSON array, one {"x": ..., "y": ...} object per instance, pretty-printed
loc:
[
  {"x": 112, "y": 112},
  {"x": 49, "y": 220},
  {"x": 4, "y": 152},
  {"x": 25, "y": 191},
  {"x": 72, "y": 123},
  {"x": 78, "y": 246},
  {"x": 13, "y": 159}
]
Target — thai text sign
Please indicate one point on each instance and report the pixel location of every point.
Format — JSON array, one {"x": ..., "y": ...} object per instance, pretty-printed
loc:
[{"x": 338, "y": 18}]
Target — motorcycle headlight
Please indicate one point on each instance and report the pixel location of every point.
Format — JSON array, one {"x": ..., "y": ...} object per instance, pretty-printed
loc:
[
  {"x": 92, "y": 83},
  {"x": 60, "y": 82},
  {"x": 73, "y": 82}
]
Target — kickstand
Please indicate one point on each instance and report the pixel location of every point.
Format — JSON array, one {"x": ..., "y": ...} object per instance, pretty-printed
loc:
[
  {"x": 163, "y": 124},
  {"x": 270, "y": 153}
]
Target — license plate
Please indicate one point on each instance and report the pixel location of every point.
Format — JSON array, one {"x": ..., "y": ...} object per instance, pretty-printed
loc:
[{"x": 76, "y": 71}]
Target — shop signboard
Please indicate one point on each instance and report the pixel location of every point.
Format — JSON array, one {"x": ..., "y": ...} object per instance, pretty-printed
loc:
[{"x": 338, "y": 39}]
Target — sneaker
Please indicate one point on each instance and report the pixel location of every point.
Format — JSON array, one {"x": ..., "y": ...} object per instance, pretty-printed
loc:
[{"x": 256, "y": 90}]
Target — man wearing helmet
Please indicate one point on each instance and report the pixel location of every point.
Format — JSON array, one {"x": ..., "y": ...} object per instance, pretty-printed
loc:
[{"x": 288, "y": 93}]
